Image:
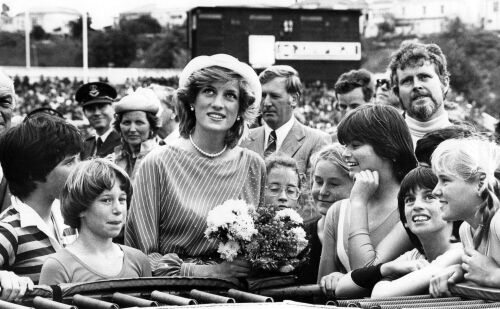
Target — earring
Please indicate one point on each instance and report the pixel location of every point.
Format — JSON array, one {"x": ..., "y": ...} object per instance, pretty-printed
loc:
[
  {"x": 192, "y": 108},
  {"x": 238, "y": 118}
]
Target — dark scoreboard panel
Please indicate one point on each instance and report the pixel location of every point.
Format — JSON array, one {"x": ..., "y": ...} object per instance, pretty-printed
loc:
[{"x": 315, "y": 35}]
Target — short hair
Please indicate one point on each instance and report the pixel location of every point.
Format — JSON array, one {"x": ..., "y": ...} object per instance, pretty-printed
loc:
[
  {"x": 419, "y": 177},
  {"x": 187, "y": 94},
  {"x": 382, "y": 127},
  {"x": 32, "y": 149},
  {"x": 293, "y": 85},
  {"x": 468, "y": 158},
  {"x": 428, "y": 143},
  {"x": 280, "y": 159},
  {"x": 353, "y": 79},
  {"x": 333, "y": 154},
  {"x": 413, "y": 54},
  {"x": 152, "y": 120},
  {"x": 84, "y": 185}
]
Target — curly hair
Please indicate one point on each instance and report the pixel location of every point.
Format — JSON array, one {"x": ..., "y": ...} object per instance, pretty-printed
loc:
[
  {"x": 353, "y": 79},
  {"x": 187, "y": 94},
  {"x": 413, "y": 54}
]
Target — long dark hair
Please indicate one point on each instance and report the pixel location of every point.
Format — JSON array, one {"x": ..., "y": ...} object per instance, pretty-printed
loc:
[{"x": 382, "y": 127}]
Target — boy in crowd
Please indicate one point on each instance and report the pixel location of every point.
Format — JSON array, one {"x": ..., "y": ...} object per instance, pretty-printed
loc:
[{"x": 36, "y": 157}]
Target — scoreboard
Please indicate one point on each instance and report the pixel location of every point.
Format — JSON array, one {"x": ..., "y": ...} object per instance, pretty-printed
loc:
[{"x": 321, "y": 44}]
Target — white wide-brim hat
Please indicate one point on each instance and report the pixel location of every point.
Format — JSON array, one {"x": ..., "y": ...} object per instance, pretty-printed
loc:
[{"x": 231, "y": 63}]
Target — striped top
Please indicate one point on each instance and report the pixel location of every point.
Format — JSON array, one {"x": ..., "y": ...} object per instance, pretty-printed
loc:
[
  {"x": 174, "y": 190},
  {"x": 25, "y": 239}
]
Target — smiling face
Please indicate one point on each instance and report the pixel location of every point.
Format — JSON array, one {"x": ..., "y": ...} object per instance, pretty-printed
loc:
[
  {"x": 421, "y": 91},
  {"x": 106, "y": 215},
  {"x": 277, "y": 104},
  {"x": 282, "y": 182},
  {"x": 422, "y": 212},
  {"x": 330, "y": 184},
  {"x": 135, "y": 127},
  {"x": 216, "y": 106},
  {"x": 360, "y": 156},
  {"x": 459, "y": 198},
  {"x": 99, "y": 116}
]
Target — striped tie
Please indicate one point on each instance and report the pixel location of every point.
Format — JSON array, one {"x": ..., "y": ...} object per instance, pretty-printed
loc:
[{"x": 271, "y": 144}]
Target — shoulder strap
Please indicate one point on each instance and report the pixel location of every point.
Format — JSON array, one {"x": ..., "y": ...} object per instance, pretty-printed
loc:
[{"x": 343, "y": 221}]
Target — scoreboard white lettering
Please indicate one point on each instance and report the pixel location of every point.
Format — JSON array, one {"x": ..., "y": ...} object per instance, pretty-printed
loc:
[{"x": 286, "y": 50}]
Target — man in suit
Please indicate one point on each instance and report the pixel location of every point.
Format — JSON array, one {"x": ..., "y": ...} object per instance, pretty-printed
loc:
[
  {"x": 7, "y": 102},
  {"x": 96, "y": 99},
  {"x": 281, "y": 91}
]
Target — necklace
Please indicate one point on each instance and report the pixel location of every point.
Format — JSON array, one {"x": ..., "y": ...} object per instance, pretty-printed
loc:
[{"x": 207, "y": 154}]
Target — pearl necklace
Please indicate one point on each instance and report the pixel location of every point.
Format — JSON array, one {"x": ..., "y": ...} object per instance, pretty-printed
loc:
[{"x": 207, "y": 154}]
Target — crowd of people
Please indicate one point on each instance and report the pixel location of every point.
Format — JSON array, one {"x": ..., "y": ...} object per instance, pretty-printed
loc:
[{"x": 396, "y": 199}]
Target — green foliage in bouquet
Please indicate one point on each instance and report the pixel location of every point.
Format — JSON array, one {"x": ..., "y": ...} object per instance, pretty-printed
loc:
[{"x": 279, "y": 240}]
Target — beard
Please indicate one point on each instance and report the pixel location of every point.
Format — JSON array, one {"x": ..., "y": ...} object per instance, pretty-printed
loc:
[{"x": 423, "y": 106}]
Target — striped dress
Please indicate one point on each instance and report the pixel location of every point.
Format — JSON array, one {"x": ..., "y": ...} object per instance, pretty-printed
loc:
[{"x": 173, "y": 192}]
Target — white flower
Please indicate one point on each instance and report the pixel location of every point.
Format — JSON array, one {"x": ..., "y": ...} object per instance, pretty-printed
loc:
[
  {"x": 229, "y": 250},
  {"x": 289, "y": 213},
  {"x": 300, "y": 237}
]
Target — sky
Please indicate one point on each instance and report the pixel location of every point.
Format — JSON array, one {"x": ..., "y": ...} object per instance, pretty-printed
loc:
[{"x": 104, "y": 11}]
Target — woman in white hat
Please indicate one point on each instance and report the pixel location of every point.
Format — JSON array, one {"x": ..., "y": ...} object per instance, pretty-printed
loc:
[
  {"x": 179, "y": 184},
  {"x": 136, "y": 121}
]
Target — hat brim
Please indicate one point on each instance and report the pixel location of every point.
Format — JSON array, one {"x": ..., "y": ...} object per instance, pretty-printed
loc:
[{"x": 98, "y": 101}]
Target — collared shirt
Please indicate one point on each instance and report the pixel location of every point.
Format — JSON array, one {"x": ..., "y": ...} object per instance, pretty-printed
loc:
[
  {"x": 27, "y": 240},
  {"x": 105, "y": 135},
  {"x": 281, "y": 132}
]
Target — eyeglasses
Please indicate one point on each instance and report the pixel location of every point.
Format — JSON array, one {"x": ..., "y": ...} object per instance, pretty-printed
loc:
[
  {"x": 293, "y": 193},
  {"x": 383, "y": 81}
]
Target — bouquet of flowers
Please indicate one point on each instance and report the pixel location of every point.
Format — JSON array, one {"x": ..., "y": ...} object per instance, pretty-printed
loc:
[
  {"x": 279, "y": 240},
  {"x": 232, "y": 225}
]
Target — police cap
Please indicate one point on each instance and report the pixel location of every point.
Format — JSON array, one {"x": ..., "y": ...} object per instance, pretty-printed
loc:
[{"x": 95, "y": 93}]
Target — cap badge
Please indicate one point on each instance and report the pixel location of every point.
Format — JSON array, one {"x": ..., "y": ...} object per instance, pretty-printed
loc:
[{"x": 94, "y": 91}]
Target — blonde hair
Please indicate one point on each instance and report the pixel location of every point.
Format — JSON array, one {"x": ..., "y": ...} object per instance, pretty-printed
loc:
[{"x": 469, "y": 159}]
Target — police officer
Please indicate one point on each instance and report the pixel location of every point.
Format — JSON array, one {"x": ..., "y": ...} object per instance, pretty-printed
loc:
[{"x": 96, "y": 99}]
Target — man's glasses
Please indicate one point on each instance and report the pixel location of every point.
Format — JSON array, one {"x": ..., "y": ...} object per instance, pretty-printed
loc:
[
  {"x": 293, "y": 193},
  {"x": 381, "y": 82}
]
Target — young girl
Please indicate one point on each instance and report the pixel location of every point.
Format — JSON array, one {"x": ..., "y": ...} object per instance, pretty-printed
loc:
[
  {"x": 363, "y": 230},
  {"x": 421, "y": 216},
  {"x": 468, "y": 190},
  {"x": 283, "y": 181},
  {"x": 94, "y": 201},
  {"x": 330, "y": 183}
]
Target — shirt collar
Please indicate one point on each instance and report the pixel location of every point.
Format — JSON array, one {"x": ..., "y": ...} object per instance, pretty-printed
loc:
[
  {"x": 281, "y": 132},
  {"x": 29, "y": 217},
  {"x": 105, "y": 135}
]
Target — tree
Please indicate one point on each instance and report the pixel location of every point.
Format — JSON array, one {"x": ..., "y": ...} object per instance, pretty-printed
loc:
[
  {"x": 168, "y": 52},
  {"x": 144, "y": 24},
  {"x": 76, "y": 26},
  {"x": 111, "y": 48},
  {"x": 38, "y": 33}
]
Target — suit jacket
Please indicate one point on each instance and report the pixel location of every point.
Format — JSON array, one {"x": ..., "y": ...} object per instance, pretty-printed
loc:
[
  {"x": 300, "y": 143},
  {"x": 108, "y": 147}
]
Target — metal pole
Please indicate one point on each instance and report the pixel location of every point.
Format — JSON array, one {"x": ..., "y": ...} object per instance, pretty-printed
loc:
[
  {"x": 85, "y": 48},
  {"x": 27, "y": 27}
]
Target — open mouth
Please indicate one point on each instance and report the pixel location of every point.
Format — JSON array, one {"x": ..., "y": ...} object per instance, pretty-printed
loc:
[
  {"x": 420, "y": 218},
  {"x": 352, "y": 164},
  {"x": 216, "y": 116}
]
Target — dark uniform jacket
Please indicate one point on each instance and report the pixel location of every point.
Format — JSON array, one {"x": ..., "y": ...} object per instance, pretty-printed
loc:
[{"x": 107, "y": 148}]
